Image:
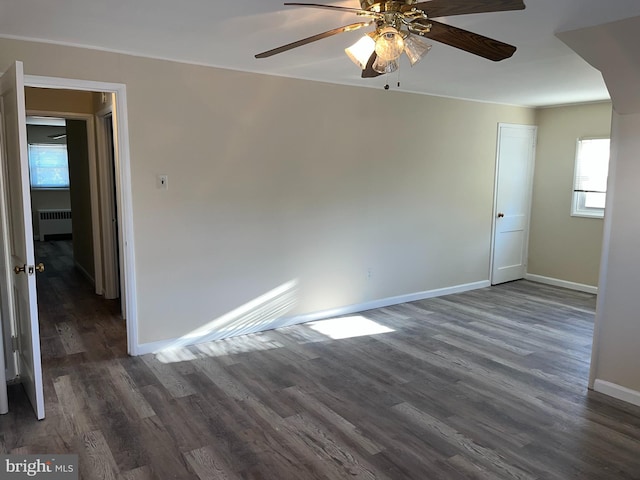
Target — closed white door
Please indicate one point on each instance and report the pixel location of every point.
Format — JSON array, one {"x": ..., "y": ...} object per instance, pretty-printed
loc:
[
  {"x": 19, "y": 237},
  {"x": 514, "y": 181}
]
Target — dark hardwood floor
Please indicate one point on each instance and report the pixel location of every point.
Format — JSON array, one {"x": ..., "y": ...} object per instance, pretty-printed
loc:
[{"x": 489, "y": 384}]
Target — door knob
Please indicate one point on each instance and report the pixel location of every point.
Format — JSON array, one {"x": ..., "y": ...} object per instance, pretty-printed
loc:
[
  {"x": 500, "y": 215},
  {"x": 29, "y": 269}
]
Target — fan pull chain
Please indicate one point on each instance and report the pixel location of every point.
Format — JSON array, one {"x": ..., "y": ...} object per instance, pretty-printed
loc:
[{"x": 386, "y": 85}]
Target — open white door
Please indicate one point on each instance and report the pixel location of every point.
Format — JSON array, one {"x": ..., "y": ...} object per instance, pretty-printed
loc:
[
  {"x": 20, "y": 235},
  {"x": 108, "y": 208},
  {"x": 514, "y": 182}
]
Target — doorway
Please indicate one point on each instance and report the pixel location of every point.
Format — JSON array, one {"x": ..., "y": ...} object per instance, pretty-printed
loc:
[
  {"x": 114, "y": 107},
  {"x": 512, "y": 202},
  {"x": 20, "y": 316},
  {"x": 66, "y": 212},
  {"x": 21, "y": 330}
]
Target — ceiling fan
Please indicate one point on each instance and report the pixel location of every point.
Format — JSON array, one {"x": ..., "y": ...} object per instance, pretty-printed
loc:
[{"x": 399, "y": 26}]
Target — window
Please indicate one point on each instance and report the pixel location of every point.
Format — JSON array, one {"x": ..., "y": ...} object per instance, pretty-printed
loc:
[
  {"x": 48, "y": 165},
  {"x": 590, "y": 178}
]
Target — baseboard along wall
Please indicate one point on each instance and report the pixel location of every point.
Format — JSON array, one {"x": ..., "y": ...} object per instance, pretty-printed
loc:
[
  {"x": 617, "y": 391},
  {"x": 154, "y": 347},
  {"x": 556, "y": 282}
]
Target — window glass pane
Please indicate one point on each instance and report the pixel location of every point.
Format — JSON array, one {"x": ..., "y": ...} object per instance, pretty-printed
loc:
[
  {"x": 590, "y": 182},
  {"x": 594, "y": 200},
  {"x": 592, "y": 165},
  {"x": 48, "y": 166}
]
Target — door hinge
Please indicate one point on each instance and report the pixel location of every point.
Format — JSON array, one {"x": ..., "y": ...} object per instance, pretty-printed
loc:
[{"x": 15, "y": 346}]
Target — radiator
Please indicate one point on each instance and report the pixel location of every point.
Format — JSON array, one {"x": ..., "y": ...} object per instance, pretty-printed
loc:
[{"x": 54, "y": 222}]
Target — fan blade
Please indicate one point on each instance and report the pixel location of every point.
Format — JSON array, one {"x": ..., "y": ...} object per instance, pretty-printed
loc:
[
  {"x": 369, "y": 72},
  {"x": 468, "y": 41},
  {"x": 314, "y": 38},
  {"x": 329, "y": 7},
  {"x": 445, "y": 8}
]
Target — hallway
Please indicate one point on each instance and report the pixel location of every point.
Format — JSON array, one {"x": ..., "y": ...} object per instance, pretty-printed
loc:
[{"x": 76, "y": 325}]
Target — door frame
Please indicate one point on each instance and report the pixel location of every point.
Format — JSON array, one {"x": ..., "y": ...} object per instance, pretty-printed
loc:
[
  {"x": 501, "y": 125},
  {"x": 122, "y": 164},
  {"x": 8, "y": 369},
  {"x": 111, "y": 259}
]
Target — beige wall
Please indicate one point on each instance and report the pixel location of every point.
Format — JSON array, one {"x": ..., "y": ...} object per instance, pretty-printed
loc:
[
  {"x": 561, "y": 246},
  {"x": 80, "y": 194},
  {"x": 618, "y": 319},
  {"x": 63, "y": 100},
  {"x": 273, "y": 180}
]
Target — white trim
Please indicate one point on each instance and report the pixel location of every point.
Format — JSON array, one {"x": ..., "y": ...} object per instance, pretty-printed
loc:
[
  {"x": 93, "y": 185},
  {"x": 39, "y": 81},
  {"x": 154, "y": 347},
  {"x": 578, "y": 208},
  {"x": 124, "y": 192},
  {"x": 106, "y": 164},
  {"x": 617, "y": 391},
  {"x": 8, "y": 370},
  {"x": 7, "y": 309},
  {"x": 123, "y": 188},
  {"x": 556, "y": 282}
]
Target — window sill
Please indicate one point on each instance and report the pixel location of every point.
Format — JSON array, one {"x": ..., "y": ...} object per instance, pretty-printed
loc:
[{"x": 599, "y": 216}]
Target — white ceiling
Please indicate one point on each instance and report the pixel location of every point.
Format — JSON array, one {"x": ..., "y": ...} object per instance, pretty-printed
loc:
[{"x": 544, "y": 71}]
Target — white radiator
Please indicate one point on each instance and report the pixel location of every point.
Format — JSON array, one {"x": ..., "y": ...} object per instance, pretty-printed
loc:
[{"x": 54, "y": 222}]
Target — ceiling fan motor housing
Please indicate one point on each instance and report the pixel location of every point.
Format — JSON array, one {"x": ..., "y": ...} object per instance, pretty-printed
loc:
[
  {"x": 377, "y": 6},
  {"x": 394, "y": 14}
]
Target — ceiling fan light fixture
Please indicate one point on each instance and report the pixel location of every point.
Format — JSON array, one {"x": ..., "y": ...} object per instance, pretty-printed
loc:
[
  {"x": 389, "y": 44},
  {"x": 415, "y": 48},
  {"x": 360, "y": 51},
  {"x": 385, "y": 66}
]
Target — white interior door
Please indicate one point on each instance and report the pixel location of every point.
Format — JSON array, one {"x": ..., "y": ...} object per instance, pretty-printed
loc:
[
  {"x": 514, "y": 180},
  {"x": 20, "y": 235},
  {"x": 109, "y": 217}
]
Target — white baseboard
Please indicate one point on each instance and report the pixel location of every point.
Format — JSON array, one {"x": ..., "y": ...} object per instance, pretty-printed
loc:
[
  {"x": 556, "y": 282},
  {"x": 154, "y": 347},
  {"x": 617, "y": 391}
]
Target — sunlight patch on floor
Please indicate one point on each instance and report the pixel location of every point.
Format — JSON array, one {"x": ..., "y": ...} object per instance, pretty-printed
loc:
[{"x": 348, "y": 327}]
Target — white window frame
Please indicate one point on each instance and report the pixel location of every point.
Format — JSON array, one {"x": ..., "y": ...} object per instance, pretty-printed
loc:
[{"x": 578, "y": 197}]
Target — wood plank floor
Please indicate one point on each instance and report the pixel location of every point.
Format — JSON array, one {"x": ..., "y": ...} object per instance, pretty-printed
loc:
[{"x": 489, "y": 384}]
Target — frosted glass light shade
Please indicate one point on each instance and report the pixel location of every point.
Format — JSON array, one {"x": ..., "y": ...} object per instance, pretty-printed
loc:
[
  {"x": 389, "y": 44},
  {"x": 385, "y": 66},
  {"x": 361, "y": 51},
  {"x": 415, "y": 48}
]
